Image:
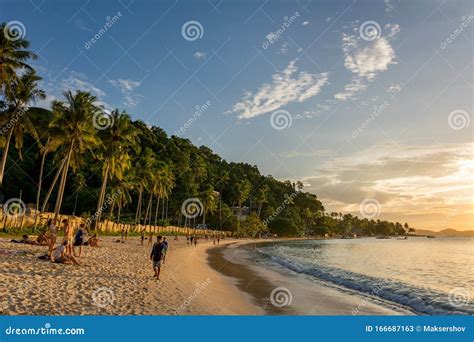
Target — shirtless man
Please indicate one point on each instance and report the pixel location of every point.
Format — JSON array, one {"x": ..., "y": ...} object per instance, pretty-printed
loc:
[{"x": 68, "y": 235}]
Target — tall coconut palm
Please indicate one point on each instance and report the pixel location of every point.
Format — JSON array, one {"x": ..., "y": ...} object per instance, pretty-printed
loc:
[
  {"x": 262, "y": 197},
  {"x": 143, "y": 172},
  {"x": 20, "y": 95},
  {"x": 164, "y": 182},
  {"x": 13, "y": 57},
  {"x": 209, "y": 201},
  {"x": 73, "y": 126},
  {"x": 116, "y": 143}
]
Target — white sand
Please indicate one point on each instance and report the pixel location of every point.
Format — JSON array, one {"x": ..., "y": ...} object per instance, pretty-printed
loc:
[{"x": 116, "y": 279}]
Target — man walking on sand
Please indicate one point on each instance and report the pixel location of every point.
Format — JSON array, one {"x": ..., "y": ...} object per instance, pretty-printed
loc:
[{"x": 156, "y": 256}]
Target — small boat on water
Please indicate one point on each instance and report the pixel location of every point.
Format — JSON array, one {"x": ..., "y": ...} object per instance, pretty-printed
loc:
[
  {"x": 403, "y": 238},
  {"x": 383, "y": 237},
  {"x": 430, "y": 236}
]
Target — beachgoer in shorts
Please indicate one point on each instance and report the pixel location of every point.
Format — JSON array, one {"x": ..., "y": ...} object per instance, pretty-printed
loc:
[{"x": 156, "y": 256}]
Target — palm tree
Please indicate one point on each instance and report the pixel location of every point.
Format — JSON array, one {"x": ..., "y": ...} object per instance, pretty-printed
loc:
[
  {"x": 209, "y": 199},
  {"x": 13, "y": 57},
  {"x": 116, "y": 142},
  {"x": 163, "y": 183},
  {"x": 262, "y": 197},
  {"x": 20, "y": 95},
  {"x": 143, "y": 172},
  {"x": 73, "y": 126}
]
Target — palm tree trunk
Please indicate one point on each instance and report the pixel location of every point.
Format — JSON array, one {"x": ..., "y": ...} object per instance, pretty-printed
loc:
[
  {"x": 156, "y": 211},
  {"x": 100, "y": 202},
  {"x": 62, "y": 184},
  {"x": 148, "y": 208},
  {"x": 4, "y": 156},
  {"x": 38, "y": 195},
  {"x": 53, "y": 184},
  {"x": 139, "y": 206}
]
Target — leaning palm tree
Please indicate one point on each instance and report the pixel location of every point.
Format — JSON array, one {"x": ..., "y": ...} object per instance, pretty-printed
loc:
[
  {"x": 19, "y": 96},
  {"x": 116, "y": 142},
  {"x": 143, "y": 173},
  {"x": 73, "y": 126},
  {"x": 163, "y": 184},
  {"x": 13, "y": 57}
]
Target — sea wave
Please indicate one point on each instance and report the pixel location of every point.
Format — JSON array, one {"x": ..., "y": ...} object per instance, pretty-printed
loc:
[{"x": 421, "y": 300}]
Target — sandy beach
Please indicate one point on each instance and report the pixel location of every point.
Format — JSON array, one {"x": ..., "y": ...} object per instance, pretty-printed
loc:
[{"x": 116, "y": 279}]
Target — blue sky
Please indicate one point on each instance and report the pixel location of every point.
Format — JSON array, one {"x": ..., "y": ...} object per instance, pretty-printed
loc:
[{"x": 368, "y": 86}]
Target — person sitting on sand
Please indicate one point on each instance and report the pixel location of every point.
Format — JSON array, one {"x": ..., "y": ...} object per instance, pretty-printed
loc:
[
  {"x": 60, "y": 255},
  {"x": 176, "y": 238},
  {"x": 26, "y": 239},
  {"x": 79, "y": 240},
  {"x": 51, "y": 236},
  {"x": 156, "y": 256},
  {"x": 94, "y": 241}
]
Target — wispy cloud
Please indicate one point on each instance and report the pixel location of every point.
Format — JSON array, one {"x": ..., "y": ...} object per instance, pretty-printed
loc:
[
  {"x": 406, "y": 179},
  {"x": 127, "y": 88},
  {"x": 199, "y": 55},
  {"x": 288, "y": 86},
  {"x": 366, "y": 59}
]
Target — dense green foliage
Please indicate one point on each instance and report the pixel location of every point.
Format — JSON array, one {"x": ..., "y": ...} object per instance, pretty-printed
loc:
[{"x": 143, "y": 175}]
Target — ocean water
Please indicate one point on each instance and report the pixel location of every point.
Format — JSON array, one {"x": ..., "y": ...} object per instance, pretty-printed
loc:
[{"x": 427, "y": 276}]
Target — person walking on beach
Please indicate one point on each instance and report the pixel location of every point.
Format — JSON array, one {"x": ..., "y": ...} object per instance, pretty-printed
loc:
[
  {"x": 195, "y": 241},
  {"x": 150, "y": 238},
  {"x": 142, "y": 237},
  {"x": 156, "y": 256},
  {"x": 79, "y": 240},
  {"x": 165, "y": 249}
]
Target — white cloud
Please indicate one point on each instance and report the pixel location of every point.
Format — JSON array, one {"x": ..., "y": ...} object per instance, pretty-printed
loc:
[
  {"x": 125, "y": 86},
  {"x": 305, "y": 23},
  {"x": 288, "y": 86},
  {"x": 394, "y": 88},
  {"x": 284, "y": 48},
  {"x": 199, "y": 55},
  {"x": 74, "y": 83},
  {"x": 366, "y": 59}
]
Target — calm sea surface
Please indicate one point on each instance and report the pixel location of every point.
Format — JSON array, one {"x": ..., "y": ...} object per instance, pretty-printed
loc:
[{"x": 428, "y": 276}]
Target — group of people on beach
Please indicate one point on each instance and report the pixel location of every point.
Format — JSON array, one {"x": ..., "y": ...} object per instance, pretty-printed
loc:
[{"x": 70, "y": 250}]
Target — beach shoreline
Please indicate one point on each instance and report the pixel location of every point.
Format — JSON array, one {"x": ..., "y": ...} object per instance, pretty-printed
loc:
[{"x": 308, "y": 297}]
